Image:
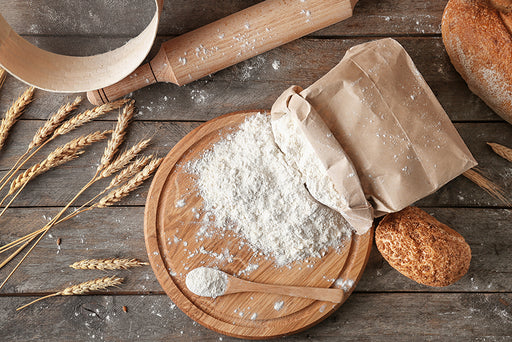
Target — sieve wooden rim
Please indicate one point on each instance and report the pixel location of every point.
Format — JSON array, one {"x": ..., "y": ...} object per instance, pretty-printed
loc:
[{"x": 61, "y": 73}]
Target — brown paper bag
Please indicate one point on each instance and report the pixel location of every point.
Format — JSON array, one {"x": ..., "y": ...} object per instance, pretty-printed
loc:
[{"x": 388, "y": 126}]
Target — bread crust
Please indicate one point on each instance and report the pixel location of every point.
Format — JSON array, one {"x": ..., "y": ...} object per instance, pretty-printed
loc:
[
  {"x": 422, "y": 248},
  {"x": 480, "y": 48}
]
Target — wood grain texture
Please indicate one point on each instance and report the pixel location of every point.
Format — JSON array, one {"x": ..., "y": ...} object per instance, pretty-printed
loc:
[
  {"x": 256, "y": 83},
  {"x": 386, "y": 306},
  {"x": 100, "y": 17},
  {"x": 66, "y": 181},
  {"x": 118, "y": 232},
  {"x": 174, "y": 242},
  {"x": 364, "y": 317}
]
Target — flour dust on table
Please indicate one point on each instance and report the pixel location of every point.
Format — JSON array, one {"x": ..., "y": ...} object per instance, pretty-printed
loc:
[{"x": 250, "y": 187}]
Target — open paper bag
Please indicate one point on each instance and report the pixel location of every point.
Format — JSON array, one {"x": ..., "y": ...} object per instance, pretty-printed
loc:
[{"x": 375, "y": 117}]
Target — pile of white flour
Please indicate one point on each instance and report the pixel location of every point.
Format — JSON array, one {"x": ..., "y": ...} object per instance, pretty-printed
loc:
[{"x": 250, "y": 187}]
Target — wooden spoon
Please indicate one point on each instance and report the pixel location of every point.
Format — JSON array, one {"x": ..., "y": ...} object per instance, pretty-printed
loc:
[{"x": 237, "y": 285}]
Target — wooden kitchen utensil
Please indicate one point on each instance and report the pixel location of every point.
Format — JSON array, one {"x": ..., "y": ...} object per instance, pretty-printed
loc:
[
  {"x": 71, "y": 74},
  {"x": 228, "y": 41},
  {"x": 237, "y": 285},
  {"x": 172, "y": 220}
]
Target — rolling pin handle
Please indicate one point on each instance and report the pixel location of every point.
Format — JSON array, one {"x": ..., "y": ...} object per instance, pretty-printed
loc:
[{"x": 141, "y": 77}]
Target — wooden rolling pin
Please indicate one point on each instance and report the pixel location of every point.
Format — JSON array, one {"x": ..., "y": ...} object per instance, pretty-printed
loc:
[{"x": 228, "y": 41}]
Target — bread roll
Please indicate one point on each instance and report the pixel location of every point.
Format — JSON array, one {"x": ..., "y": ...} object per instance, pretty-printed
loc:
[
  {"x": 422, "y": 248},
  {"x": 479, "y": 43}
]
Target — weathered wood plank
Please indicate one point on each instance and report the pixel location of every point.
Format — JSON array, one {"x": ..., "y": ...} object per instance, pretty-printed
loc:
[
  {"x": 57, "y": 187},
  {"x": 364, "y": 317},
  {"x": 101, "y": 17},
  {"x": 118, "y": 232},
  {"x": 256, "y": 83}
]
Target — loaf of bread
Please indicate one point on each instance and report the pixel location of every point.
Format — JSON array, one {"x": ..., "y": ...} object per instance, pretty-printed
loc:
[
  {"x": 477, "y": 36},
  {"x": 422, "y": 248}
]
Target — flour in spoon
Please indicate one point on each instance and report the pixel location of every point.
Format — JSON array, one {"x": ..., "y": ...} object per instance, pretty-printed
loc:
[
  {"x": 207, "y": 282},
  {"x": 251, "y": 188}
]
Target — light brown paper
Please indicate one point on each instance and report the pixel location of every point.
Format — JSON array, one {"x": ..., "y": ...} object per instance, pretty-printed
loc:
[{"x": 387, "y": 121}]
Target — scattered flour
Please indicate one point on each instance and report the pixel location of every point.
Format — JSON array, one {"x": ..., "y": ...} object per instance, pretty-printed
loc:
[
  {"x": 278, "y": 305},
  {"x": 207, "y": 282},
  {"x": 181, "y": 203},
  {"x": 250, "y": 187}
]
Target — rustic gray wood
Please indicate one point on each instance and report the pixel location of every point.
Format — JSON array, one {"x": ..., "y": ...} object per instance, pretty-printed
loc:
[
  {"x": 118, "y": 232},
  {"x": 386, "y": 306},
  {"x": 255, "y": 83},
  {"x": 128, "y": 18},
  {"x": 58, "y": 186},
  {"x": 364, "y": 317}
]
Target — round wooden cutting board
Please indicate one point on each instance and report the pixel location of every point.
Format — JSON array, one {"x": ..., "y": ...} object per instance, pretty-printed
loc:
[{"x": 174, "y": 215}]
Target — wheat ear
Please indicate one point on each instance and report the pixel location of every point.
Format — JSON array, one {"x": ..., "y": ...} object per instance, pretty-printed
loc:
[
  {"x": 129, "y": 171},
  {"x": 53, "y": 123},
  {"x": 119, "y": 179},
  {"x": 82, "y": 288},
  {"x": 107, "y": 264},
  {"x": 118, "y": 135},
  {"x": 502, "y": 151},
  {"x": 121, "y": 161},
  {"x": 59, "y": 156},
  {"x": 88, "y": 115},
  {"x": 118, "y": 194},
  {"x": 13, "y": 113},
  {"x": 41, "y": 135},
  {"x": 3, "y": 74},
  {"x": 490, "y": 187}
]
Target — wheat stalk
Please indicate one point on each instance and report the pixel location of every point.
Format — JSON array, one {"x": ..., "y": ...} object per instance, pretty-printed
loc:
[
  {"x": 3, "y": 74},
  {"x": 491, "y": 188},
  {"x": 121, "y": 178},
  {"x": 502, "y": 151},
  {"x": 107, "y": 264},
  {"x": 117, "y": 138},
  {"x": 59, "y": 156},
  {"x": 129, "y": 171},
  {"x": 113, "y": 197},
  {"x": 82, "y": 288},
  {"x": 40, "y": 137},
  {"x": 118, "y": 194},
  {"x": 13, "y": 113},
  {"x": 88, "y": 115},
  {"x": 121, "y": 161},
  {"x": 53, "y": 122}
]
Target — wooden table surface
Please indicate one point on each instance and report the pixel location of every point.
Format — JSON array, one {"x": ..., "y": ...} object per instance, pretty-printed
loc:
[{"x": 385, "y": 306}]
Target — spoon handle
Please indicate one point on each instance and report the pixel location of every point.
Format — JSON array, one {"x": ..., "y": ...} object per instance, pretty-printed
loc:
[{"x": 317, "y": 293}]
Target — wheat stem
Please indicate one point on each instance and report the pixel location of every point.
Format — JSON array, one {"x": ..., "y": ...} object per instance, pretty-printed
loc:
[
  {"x": 13, "y": 255},
  {"x": 47, "y": 228},
  {"x": 37, "y": 300},
  {"x": 487, "y": 185}
]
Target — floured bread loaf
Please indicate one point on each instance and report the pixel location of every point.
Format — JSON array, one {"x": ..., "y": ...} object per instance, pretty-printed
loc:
[
  {"x": 422, "y": 248},
  {"x": 478, "y": 39}
]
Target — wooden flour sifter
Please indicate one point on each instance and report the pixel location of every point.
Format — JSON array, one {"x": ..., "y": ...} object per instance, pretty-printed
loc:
[{"x": 228, "y": 41}]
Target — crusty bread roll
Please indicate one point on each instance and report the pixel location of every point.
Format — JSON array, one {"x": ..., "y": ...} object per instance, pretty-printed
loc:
[
  {"x": 422, "y": 248},
  {"x": 478, "y": 40}
]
